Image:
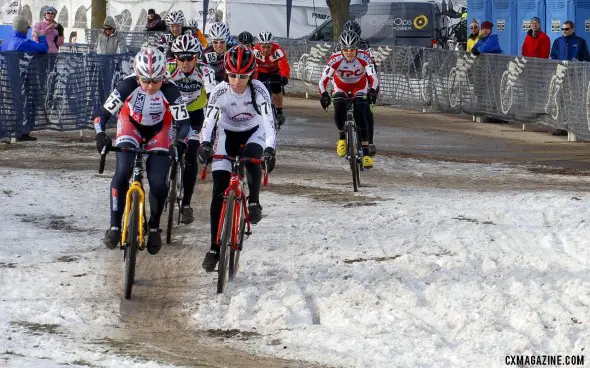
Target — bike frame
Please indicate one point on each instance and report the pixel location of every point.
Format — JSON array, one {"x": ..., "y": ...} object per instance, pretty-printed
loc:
[{"x": 136, "y": 186}]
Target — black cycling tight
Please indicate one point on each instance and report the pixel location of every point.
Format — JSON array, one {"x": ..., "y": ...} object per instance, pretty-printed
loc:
[{"x": 360, "y": 113}]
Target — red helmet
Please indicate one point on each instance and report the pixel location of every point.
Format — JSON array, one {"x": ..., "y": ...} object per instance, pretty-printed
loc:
[{"x": 240, "y": 60}]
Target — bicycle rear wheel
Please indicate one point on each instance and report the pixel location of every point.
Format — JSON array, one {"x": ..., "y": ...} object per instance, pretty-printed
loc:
[
  {"x": 225, "y": 243},
  {"x": 234, "y": 255},
  {"x": 171, "y": 201},
  {"x": 132, "y": 244},
  {"x": 351, "y": 144}
]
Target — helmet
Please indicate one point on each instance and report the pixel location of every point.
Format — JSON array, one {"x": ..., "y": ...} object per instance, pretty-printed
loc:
[
  {"x": 265, "y": 37},
  {"x": 246, "y": 38},
  {"x": 186, "y": 44},
  {"x": 51, "y": 9},
  {"x": 192, "y": 23},
  {"x": 240, "y": 60},
  {"x": 219, "y": 31},
  {"x": 351, "y": 25},
  {"x": 150, "y": 63},
  {"x": 175, "y": 17},
  {"x": 349, "y": 39}
]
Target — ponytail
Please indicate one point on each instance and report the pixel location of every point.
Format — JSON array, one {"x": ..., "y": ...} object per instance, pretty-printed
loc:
[{"x": 253, "y": 93}]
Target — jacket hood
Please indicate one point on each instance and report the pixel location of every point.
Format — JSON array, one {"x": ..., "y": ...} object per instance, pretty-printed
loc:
[{"x": 110, "y": 22}]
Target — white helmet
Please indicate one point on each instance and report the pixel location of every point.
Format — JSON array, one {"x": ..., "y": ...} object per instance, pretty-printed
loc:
[
  {"x": 150, "y": 63},
  {"x": 192, "y": 23},
  {"x": 349, "y": 39},
  {"x": 186, "y": 44},
  {"x": 265, "y": 37},
  {"x": 219, "y": 31},
  {"x": 175, "y": 17}
]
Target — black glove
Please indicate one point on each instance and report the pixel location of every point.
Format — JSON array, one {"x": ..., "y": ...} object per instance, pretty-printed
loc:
[
  {"x": 372, "y": 94},
  {"x": 325, "y": 100},
  {"x": 269, "y": 159},
  {"x": 284, "y": 81},
  {"x": 205, "y": 152},
  {"x": 103, "y": 141},
  {"x": 474, "y": 51},
  {"x": 60, "y": 30}
]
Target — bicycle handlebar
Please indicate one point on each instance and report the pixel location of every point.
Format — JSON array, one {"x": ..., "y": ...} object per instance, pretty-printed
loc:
[
  {"x": 255, "y": 161},
  {"x": 103, "y": 154}
]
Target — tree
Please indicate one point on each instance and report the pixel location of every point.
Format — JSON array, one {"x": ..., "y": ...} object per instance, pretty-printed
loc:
[{"x": 339, "y": 14}]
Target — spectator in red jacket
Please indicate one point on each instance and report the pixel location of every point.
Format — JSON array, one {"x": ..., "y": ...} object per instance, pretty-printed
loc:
[{"x": 537, "y": 43}]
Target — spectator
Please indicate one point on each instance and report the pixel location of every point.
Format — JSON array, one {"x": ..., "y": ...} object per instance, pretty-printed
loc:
[
  {"x": 18, "y": 39},
  {"x": 110, "y": 41},
  {"x": 488, "y": 43},
  {"x": 155, "y": 22},
  {"x": 474, "y": 35},
  {"x": 54, "y": 32},
  {"x": 569, "y": 46},
  {"x": 73, "y": 37},
  {"x": 536, "y": 43}
]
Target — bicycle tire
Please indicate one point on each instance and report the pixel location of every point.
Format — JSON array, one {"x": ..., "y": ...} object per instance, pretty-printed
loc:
[
  {"x": 359, "y": 161},
  {"x": 179, "y": 189},
  {"x": 225, "y": 243},
  {"x": 132, "y": 244},
  {"x": 171, "y": 201},
  {"x": 352, "y": 159},
  {"x": 234, "y": 254}
]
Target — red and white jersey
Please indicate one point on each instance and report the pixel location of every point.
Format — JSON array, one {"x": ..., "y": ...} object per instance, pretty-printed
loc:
[
  {"x": 275, "y": 62},
  {"x": 348, "y": 75}
]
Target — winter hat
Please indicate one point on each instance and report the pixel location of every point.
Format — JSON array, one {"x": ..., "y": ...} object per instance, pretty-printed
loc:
[
  {"x": 20, "y": 24},
  {"x": 487, "y": 25},
  {"x": 151, "y": 11},
  {"x": 536, "y": 19},
  {"x": 474, "y": 21}
]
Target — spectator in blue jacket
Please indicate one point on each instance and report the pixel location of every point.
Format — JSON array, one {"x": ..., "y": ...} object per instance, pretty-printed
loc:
[
  {"x": 569, "y": 46},
  {"x": 18, "y": 41},
  {"x": 488, "y": 43}
]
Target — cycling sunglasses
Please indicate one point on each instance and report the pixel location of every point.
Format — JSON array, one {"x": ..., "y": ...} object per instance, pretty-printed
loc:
[
  {"x": 240, "y": 76},
  {"x": 150, "y": 80},
  {"x": 186, "y": 57},
  {"x": 217, "y": 42},
  {"x": 565, "y": 29},
  {"x": 348, "y": 48}
]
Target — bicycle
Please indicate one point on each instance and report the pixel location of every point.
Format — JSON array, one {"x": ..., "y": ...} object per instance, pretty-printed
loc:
[
  {"x": 234, "y": 221},
  {"x": 354, "y": 150},
  {"x": 175, "y": 191},
  {"x": 134, "y": 222}
]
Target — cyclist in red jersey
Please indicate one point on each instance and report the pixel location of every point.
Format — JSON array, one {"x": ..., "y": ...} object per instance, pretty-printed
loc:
[
  {"x": 353, "y": 73},
  {"x": 273, "y": 69}
]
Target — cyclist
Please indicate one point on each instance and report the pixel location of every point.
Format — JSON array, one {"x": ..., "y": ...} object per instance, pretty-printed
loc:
[
  {"x": 246, "y": 38},
  {"x": 191, "y": 79},
  {"x": 149, "y": 104},
  {"x": 175, "y": 23},
  {"x": 353, "y": 73},
  {"x": 213, "y": 55},
  {"x": 273, "y": 67},
  {"x": 193, "y": 25},
  {"x": 243, "y": 108},
  {"x": 351, "y": 25}
]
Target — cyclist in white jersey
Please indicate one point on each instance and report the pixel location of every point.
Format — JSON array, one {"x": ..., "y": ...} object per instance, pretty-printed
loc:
[{"x": 242, "y": 109}]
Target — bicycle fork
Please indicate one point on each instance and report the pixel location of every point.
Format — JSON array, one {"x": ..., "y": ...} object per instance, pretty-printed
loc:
[{"x": 135, "y": 187}]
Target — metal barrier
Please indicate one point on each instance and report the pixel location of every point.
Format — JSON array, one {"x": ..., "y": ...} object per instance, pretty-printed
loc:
[{"x": 65, "y": 91}]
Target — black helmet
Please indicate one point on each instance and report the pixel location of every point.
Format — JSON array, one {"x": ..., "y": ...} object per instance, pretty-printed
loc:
[{"x": 246, "y": 38}]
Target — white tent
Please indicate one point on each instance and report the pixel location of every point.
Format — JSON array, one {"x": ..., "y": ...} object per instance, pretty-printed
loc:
[{"x": 241, "y": 15}]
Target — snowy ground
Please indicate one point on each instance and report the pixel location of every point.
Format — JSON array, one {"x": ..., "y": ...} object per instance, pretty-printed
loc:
[{"x": 396, "y": 276}]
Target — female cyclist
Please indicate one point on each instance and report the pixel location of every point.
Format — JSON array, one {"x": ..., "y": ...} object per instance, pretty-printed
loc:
[
  {"x": 148, "y": 104},
  {"x": 243, "y": 108},
  {"x": 190, "y": 79}
]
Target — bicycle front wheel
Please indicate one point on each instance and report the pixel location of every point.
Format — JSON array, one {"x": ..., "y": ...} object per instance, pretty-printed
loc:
[
  {"x": 234, "y": 254},
  {"x": 225, "y": 243},
  {"x": 351, "y": 143},
  {"x": 171, "y": 201},
  {"x": 132, "y": 244}
]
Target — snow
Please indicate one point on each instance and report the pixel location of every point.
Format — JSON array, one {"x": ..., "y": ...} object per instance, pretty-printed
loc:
[{"x": 395, "y": 276}]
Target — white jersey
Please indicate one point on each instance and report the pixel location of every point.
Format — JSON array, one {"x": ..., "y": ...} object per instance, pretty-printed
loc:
[{"x": 234, "y": 112}]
